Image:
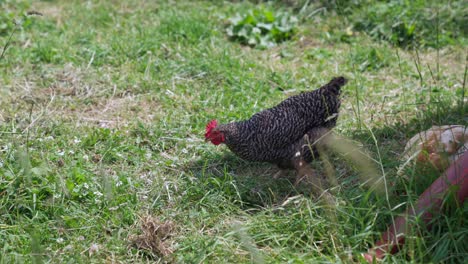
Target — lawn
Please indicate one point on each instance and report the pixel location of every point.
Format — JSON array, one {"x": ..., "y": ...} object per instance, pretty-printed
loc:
[{"x": 103, "y": 107}]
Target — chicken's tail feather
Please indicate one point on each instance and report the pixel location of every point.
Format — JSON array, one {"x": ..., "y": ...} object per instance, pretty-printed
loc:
[{"x": 335, "y": 84}]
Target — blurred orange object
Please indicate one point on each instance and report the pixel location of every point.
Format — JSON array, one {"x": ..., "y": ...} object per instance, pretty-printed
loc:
[
  {"x": 439, "y": 145},
  {"x": 428, "y": 203}
]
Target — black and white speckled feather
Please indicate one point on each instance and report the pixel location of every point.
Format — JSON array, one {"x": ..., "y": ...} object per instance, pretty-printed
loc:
[{"x": 277, "y": 134}]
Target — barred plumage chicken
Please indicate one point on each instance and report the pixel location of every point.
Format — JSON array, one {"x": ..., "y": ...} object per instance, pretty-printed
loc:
[{"x": 283, "y": 135}]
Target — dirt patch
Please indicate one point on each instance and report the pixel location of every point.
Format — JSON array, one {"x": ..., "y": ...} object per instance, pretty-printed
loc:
[
  {"x": 82, "y": 96},
  {"x": 116, "y": 112},
  {"x": 155, "y": 236},
  {"x": 50, "y": 11},
  {"x": 451, "y": 62}
]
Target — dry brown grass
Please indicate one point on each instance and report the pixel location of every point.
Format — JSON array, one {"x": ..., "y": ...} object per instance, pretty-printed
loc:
[{"x": 155, "y": 236}]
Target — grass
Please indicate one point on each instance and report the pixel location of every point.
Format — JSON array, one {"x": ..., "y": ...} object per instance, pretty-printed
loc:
[{"x": 103, "y": 108}]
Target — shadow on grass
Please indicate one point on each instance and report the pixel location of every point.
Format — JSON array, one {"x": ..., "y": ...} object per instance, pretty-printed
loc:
[{"x": 251, "y": 183}]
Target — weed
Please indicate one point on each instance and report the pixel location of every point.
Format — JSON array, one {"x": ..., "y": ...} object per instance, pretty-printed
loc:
[
  {"x": 370, "y": 59},
  {"x": 406, "y": 24},
  {"x": 412, "y": 24},
  {"x": 262, "y": 27}
]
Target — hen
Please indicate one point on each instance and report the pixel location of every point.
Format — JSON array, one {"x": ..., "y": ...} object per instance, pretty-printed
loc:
[{"x": 285, "y": 134}]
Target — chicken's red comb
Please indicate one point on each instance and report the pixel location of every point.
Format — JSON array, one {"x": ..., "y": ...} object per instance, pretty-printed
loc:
[{"x": 212, "y": 124}]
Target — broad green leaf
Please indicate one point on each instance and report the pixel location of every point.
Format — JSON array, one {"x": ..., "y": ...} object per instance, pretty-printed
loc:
[{"x": 261, "y": 27}]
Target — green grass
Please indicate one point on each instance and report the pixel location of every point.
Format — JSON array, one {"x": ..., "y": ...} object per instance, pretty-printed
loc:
[{"x": 102, "y": 114}]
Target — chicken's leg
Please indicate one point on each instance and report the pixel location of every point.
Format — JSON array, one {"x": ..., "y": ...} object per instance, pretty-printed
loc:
[{"x": 306, "y": 173}]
